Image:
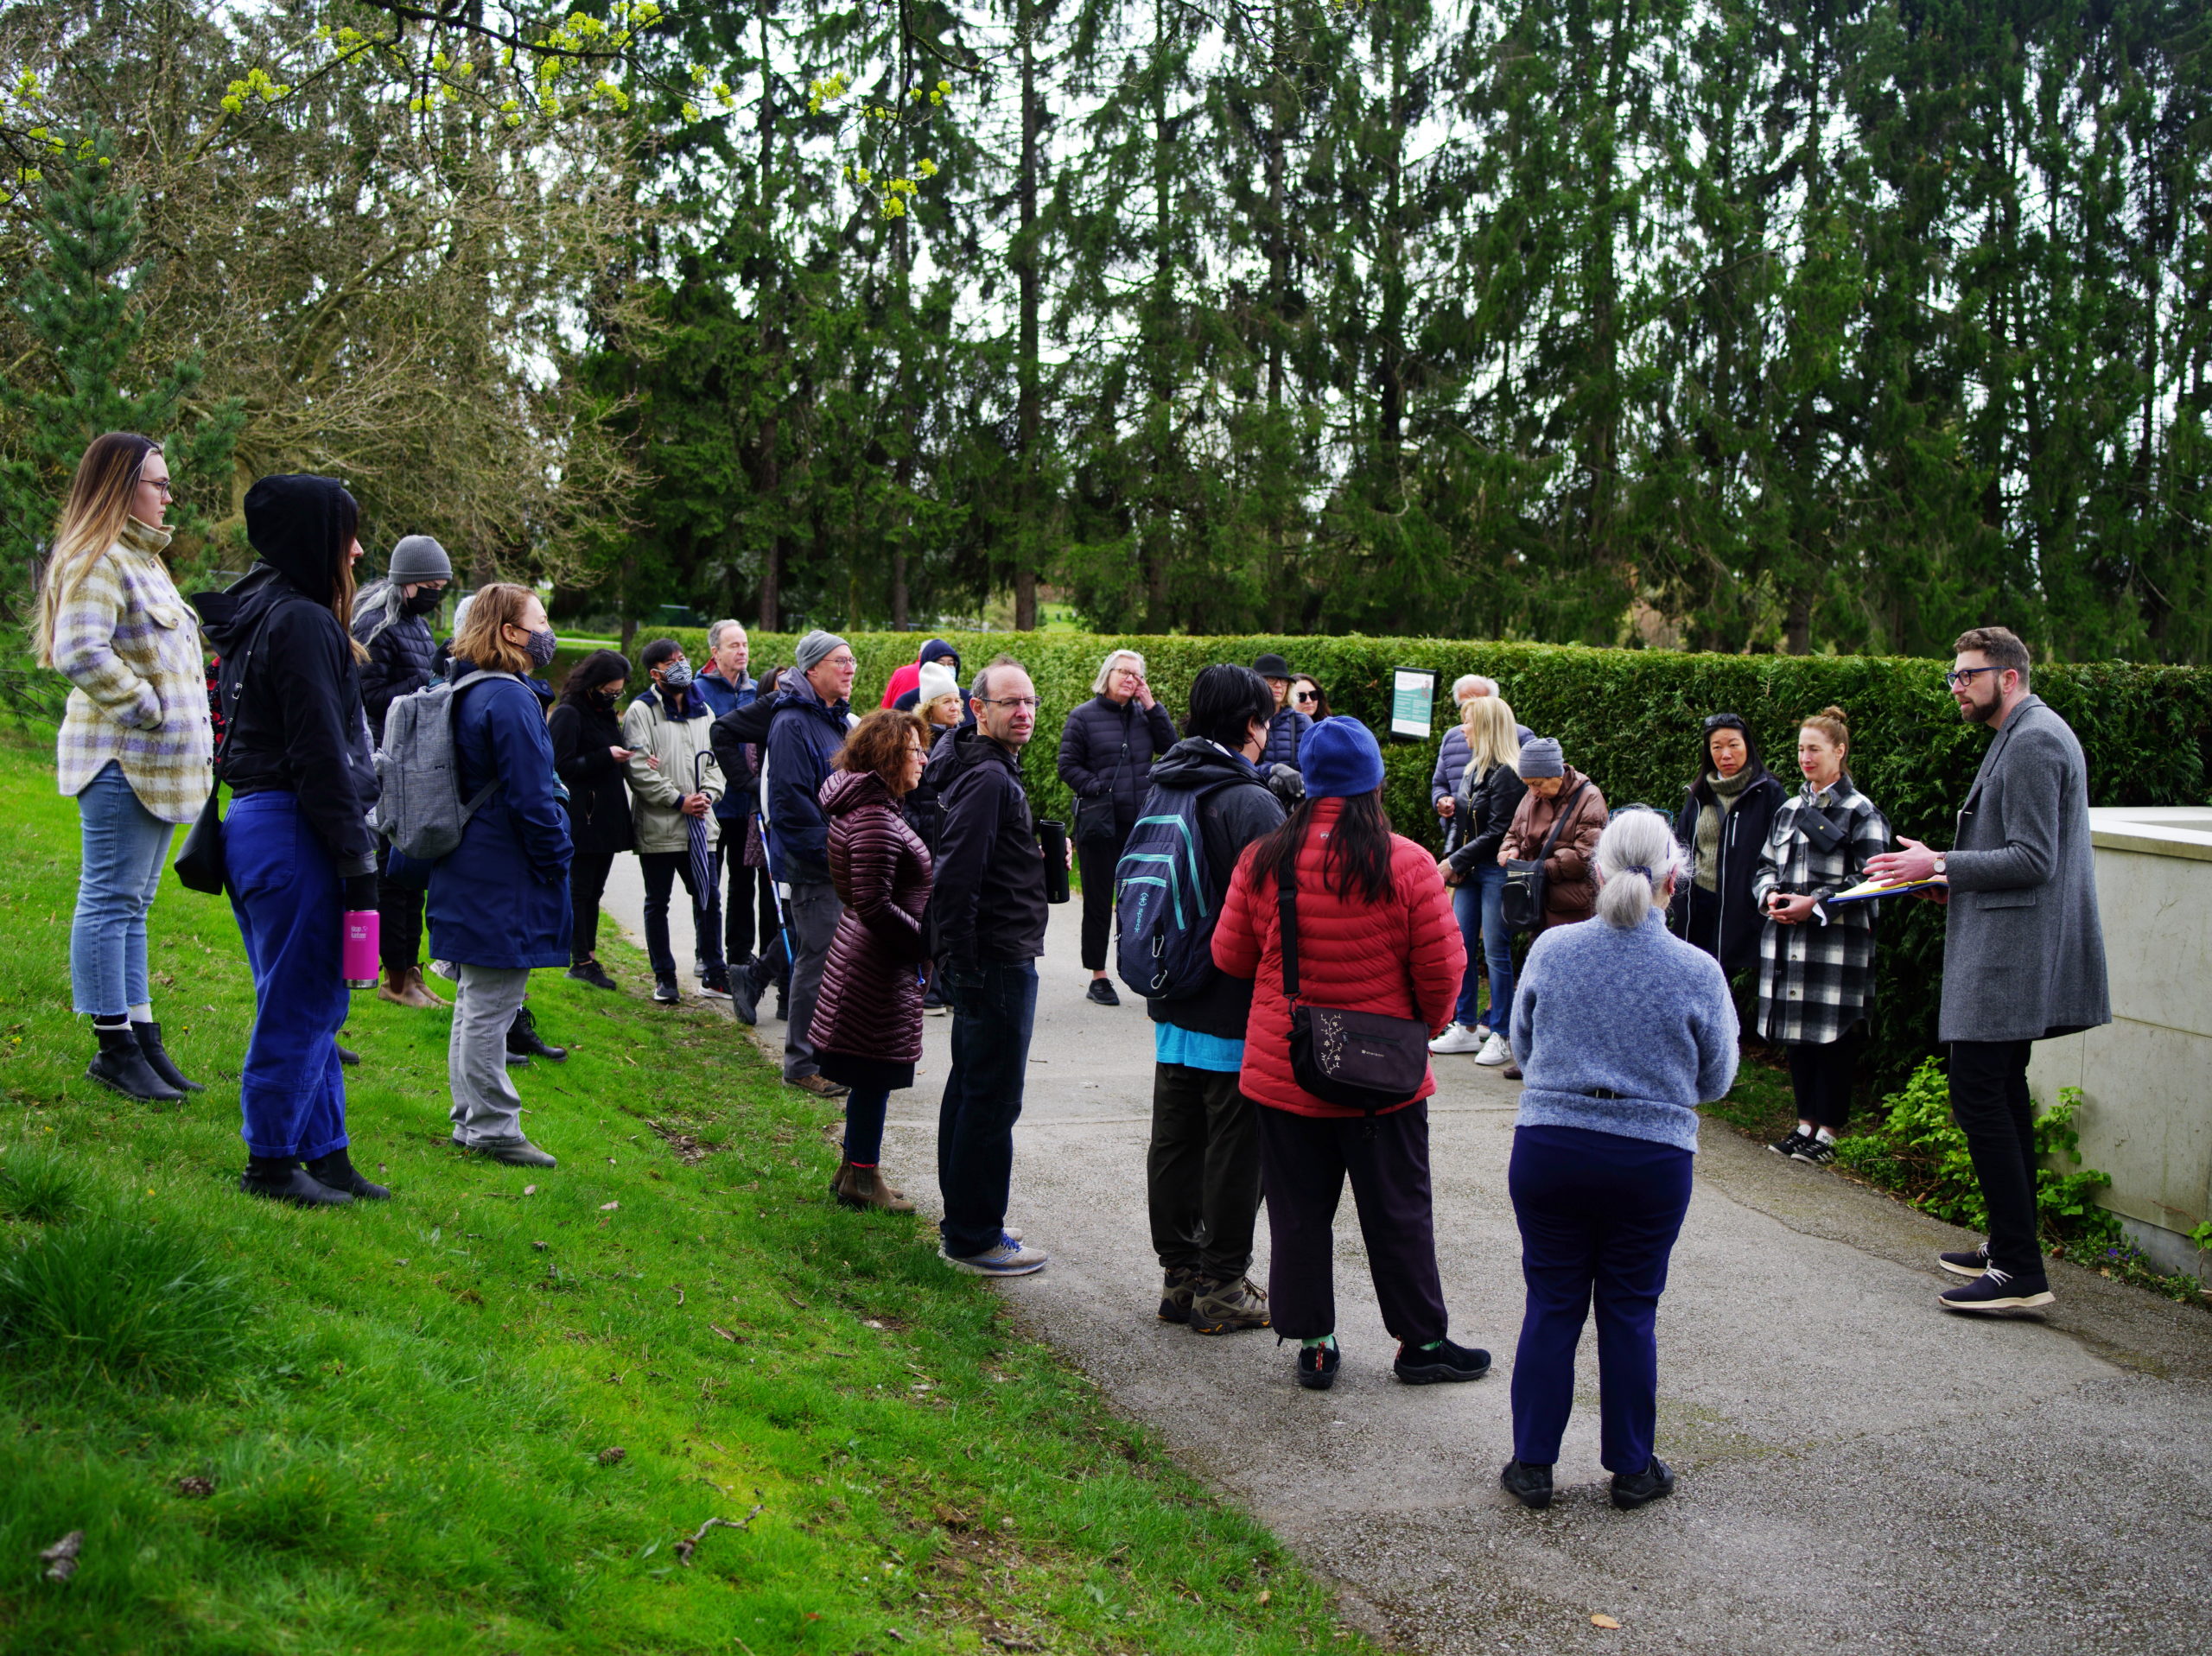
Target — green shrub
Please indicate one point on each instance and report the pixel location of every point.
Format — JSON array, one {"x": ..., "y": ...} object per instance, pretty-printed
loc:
[
  {"x": 40, "y": 1185},
  {"x": 1633, "y": 720},
  {"x": 1920, "y": 1153},
  {"x": 118, "y": 1298}
]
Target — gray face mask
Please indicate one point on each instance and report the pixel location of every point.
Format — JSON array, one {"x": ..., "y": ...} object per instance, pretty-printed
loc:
[{"x": 676, "y": 675}]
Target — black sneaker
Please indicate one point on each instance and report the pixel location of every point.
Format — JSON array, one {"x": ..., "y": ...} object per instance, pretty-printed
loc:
[
  {"x": 593, "y": 972},
  {"x": 1530, "y": 1485},
  {"x": 1998, "y": 1293},
  {"x": 1317, "y": 1366},
  {"x": 714, "y": 984},
  {"x": 1965, "y": 1263},
  {"x": 1426, "y": 1364},
  {"x": 1791, "y": 1143},
  {"x": 1101, "y": 993},
  {"x": 1817, "y": 1151},
  {"x": 1177, "y": 1289},
  {"x": 1655, "y": 1481},
  {"x": 745, "y": 994},
  {"x": 664, "y": 989}
]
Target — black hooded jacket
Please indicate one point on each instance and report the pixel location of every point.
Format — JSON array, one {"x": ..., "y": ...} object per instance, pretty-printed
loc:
[
  {"x": 1239, "y": 809},
  {"x": 987, "y": 902},
  {"x": 299, "y": 726}
]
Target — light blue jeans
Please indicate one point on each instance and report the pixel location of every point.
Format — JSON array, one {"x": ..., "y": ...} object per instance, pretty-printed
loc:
[
  {"x": 1478, "y": 903},
  {"x": 125, "y": 845}
]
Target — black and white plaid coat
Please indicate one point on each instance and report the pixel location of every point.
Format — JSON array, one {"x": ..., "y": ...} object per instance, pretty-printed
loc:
[{"x": 1816, "y": 979}]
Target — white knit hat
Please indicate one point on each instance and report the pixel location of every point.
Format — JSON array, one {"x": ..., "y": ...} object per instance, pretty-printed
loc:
[{"x": 936, "y": 680}]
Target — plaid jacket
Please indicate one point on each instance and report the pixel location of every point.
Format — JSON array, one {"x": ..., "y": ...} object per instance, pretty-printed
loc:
[
  {"x": 131, "y": 646},
  {"x": 1816, "y": 979}
]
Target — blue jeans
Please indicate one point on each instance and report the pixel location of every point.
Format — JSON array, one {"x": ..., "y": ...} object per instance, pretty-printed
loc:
[
  {"x": 125, "y": 847},
  {"x": 284, "y": 891},
  {"x": 1478, "y": 903},
  {"x": 994, "y": 1009},
  {"x": 1599, "y": 1215}
]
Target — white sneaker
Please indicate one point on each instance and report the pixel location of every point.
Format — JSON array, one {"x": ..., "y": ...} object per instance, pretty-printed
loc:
[
  {"x": 1495, "y": 1051},
  {"x": 1458, "y": 1038}
]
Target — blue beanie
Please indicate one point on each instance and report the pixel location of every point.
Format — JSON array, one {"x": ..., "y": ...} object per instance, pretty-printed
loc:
[{"x": 1338, "y": 758}]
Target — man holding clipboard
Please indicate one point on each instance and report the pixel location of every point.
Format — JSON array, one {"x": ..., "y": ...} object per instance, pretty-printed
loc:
[{"x": 2024, "y": 953}]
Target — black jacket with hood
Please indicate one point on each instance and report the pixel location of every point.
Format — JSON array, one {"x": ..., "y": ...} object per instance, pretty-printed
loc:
[
  {"x": 402, "y": 653},
  {"x": 299, "y": 726},
  {"x": 1240, "y": 809},
  {"x": 987, "y": 903}
]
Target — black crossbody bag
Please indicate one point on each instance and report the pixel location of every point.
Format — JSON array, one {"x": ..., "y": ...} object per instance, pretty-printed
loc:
[
  {"x": 1522, "y": 902},
  {"x": 1362, "y": 1060},
  {"x": 199, "y": 862}
]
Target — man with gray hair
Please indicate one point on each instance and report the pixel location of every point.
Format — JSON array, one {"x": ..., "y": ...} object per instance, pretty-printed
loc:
[
  {"x": 725, "y": 687},
  {"x": 813, "y": 708}
]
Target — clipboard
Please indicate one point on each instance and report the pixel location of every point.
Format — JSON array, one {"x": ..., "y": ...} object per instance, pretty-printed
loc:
[{"x": 1867, "y": 890}]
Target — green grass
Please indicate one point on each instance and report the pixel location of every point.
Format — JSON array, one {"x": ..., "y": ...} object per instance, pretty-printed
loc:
[{"x": 491, "y": 1414}]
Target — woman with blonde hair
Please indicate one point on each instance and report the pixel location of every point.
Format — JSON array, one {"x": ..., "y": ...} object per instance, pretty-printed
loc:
[
  {"x": 1106, "y": 748},
  {"x": 499, "y": 902},
  {"x": 1485, "y": 794},
  {"x": 134, "y": 748}
]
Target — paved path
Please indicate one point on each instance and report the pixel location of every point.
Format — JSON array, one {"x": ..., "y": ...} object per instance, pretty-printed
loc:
[{"x": 1860, "y": 1471}]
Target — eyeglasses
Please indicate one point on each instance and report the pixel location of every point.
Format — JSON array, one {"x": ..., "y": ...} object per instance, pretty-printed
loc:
[
  {"x": 839, "y": 660},
  {"x": 1959, "y": 676},
  {"x": 160, "y": 485},
  {"x": 1028, "y": 701}
]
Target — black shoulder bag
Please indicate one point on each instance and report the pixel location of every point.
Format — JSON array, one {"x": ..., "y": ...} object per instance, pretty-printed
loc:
[
  {"x": 1522, "y": 902},
  {"x": 1363, "y": 1061},
  {"x": 1095, "y": 815},
  {"x": 199, "y": 862}
]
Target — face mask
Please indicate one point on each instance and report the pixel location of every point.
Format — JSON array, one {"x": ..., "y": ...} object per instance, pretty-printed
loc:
[
  {"x": 543, "y": 643},
  {"x": 605, "y": 698},
  {"x": 676, "y": 675},
  {"x": 425, "y": 602}
]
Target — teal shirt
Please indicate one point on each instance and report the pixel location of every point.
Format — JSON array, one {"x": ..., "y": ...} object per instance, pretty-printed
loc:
[{"x": 1172, "y": 1043}]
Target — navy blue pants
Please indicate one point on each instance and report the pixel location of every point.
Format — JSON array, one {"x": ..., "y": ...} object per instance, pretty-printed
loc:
[
  {"x": 1599, "y": 1215},
  {"x": 992, "y": 1012},
  {"x": 284, "y": 892}
]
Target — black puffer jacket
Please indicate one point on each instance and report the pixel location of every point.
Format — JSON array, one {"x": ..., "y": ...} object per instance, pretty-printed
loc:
[
  {"x": 599, "y": 801},
  {"x": 299, "y": 728},
  {"x": 1240, "y": 810},
  {"x": 989, "y": 904},
  {"x": 402, "y": 653},
  {"x": 1107, "y": 747},
  {"x": 1743, "y": 832},
  {"x": 1496, "y": 799}
]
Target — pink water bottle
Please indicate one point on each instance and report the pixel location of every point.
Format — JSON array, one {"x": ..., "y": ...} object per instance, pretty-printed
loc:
[{"x": 360, "y": 948}]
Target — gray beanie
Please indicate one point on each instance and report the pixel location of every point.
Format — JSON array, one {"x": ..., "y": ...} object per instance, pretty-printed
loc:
[
  {"x": 816, "y": 647},
  {"x": 1541, "y": 757},
  {"x": 417, "y": 557}
]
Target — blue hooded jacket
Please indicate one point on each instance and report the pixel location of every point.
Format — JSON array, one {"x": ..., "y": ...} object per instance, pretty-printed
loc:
[
  {"x": 501, "y": 897},
  {"x": 803, "y": 735}
]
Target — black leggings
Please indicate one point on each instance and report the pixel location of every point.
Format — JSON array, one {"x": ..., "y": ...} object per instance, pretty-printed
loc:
[
  {"x": 1099, "y": 859},
  {"x": 1821, "y": 1078},
  {"x": 587, "y": 871}
]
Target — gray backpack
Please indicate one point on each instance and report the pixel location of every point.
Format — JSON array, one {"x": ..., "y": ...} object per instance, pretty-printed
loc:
[{"x": 420, "y": 811}]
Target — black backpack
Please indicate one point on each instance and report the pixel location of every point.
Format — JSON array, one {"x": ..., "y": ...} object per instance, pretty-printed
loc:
[{"x": 1167, "y": 896}]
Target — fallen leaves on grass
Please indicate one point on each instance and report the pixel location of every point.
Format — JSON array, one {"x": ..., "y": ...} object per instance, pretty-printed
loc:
[
  {"x": 195, "y": 1488},
  {"x": 613, "y": 1456}
]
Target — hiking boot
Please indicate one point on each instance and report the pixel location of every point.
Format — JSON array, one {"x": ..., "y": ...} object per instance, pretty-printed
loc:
[
  {"x": 279, "y": 1178},
  {"x": 1225, "y": 1307},
  {"x": 1317, "y": 1366},
  {"x": 1530, "y": 1485},
  {"x": 820, "y": 1085},
  {"x": 158, "y": 1060},
  {"x": 782, "y": 1013},
  {"x": 1101, "y": 993},
  {"x": 337, "y": 1172},
  {"x": 1641, "y": 1488},
  {"x": 1965, "y": 1262},
  {"x": 664, "y": 990},
  {"x": 1177, "y": 1290},
  {"x": 1998, "y": 1293},
  {"x": 1791, "y": 1142},
  {"x": 864, "y": 1188},
  {"x": 593, "y": 972},
  {"x": 524, "y": 1040},
  {"x": 1007, "y": 1259},
  {"x": 120, "y": 1066},
  {"x": 1459, "y": 1038},
  {"x": 1426, "y": 1364},
  {"x": 1817, "y": 1151}
]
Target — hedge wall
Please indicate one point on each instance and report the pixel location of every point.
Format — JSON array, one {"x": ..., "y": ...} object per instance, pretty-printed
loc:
[{"x": 1632, "y": 719}]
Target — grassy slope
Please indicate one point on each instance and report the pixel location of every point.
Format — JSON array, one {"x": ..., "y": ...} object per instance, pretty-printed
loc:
[{"x": 407, "y": 1450}]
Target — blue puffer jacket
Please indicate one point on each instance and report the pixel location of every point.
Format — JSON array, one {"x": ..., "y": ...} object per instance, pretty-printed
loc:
[
  {"x": 502, "y": 897},
  {"x": 1284, "y": 732},
  {"x": 803, "y": 737}
]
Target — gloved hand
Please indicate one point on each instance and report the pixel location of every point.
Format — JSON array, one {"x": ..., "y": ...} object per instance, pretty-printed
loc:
[
  {"x": 358, "y": 892},
  {"x": 1286, "y": 785}
]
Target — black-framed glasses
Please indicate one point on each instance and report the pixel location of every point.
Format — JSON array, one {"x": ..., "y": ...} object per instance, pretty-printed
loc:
[
  {"x": 1029, "y": 701},
  {"x": 1959, "y": 676}
]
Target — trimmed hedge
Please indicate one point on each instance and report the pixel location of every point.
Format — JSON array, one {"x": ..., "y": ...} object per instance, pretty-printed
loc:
[{"x": 1633, "y": 720}]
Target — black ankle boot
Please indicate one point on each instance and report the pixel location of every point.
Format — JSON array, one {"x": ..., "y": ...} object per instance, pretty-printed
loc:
[
  {"x": 121, "y": 1067},
  {"x": 280, "y": 1179},
  {"x": 157, "y": 1058},
  {"x": 525, "y": 1041},
  {"x": 337, "y": 1171}
]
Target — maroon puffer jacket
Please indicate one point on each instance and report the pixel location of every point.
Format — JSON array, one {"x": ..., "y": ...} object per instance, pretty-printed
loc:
[{"x": 871, "y": 1003}]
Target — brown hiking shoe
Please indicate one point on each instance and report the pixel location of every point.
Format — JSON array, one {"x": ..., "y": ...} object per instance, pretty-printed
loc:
[
  {"x": 1225, "y": 1307},
  {"x": 864, "y": 1188},
  {"x": 1175, "y": 1293}
]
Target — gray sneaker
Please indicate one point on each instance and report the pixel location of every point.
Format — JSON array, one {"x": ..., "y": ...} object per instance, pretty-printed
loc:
[
  {"x": 515, "y": 1152},
  {"x": 1009, "y": 1259}
]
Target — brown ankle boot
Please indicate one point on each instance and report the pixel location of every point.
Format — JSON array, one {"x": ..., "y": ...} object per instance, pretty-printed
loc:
[
  {"x": 864, "y": 1188},
  {"x": 413, "y": 992}
]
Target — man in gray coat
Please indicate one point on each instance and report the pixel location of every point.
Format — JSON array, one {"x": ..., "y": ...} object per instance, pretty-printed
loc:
[{"x": 2024, "y": 953}]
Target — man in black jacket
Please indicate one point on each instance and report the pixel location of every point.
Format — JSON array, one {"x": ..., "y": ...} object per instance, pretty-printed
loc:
[
  {"x": 986, "y": 916},
  {"x": 1202, "y": 1172},
  {"x": 813, "y": 714},
  {"x": 391, "y": 622}
]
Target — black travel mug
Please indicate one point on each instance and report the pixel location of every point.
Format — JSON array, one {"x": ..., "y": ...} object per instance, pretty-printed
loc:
[{"x": 1052, "y": 839}]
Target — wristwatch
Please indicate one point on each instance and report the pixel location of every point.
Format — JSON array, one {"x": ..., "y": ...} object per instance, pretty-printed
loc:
[{"x": 1939, "y": 865}]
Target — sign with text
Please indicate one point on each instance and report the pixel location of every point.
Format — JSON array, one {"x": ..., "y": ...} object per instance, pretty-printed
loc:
[{"x": 1412, "y": 701}]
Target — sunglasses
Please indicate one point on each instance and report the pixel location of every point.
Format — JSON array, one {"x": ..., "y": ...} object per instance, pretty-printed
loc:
[{"x": 1306, "y": 695}]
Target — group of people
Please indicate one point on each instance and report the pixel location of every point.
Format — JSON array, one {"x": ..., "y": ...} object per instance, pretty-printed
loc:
[{"x": 1281, "y": 935}]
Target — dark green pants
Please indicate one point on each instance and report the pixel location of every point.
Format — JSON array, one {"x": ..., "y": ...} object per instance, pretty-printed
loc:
[{"x": 1202, "y": 1173}]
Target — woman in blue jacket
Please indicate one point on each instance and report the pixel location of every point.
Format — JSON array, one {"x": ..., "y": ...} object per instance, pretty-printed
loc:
[{"x": 500, "y": 903}]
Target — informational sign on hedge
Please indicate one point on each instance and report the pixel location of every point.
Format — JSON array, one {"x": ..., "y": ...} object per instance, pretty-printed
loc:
[{"x": 1413, "y": 700}]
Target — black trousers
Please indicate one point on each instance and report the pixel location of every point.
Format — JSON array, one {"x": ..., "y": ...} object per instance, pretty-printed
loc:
[
  {"x": 662, "y": 869},
  {"x": 1304, "y": 1161},
  {"x": 1099, "y": 859},
  {"x": 587, "y": 871},
  {"x": 1202, "y": 1172},
  {"x": 742, "y": 892},
  {"x": 399, "y": 922},
  {"x": 1990, "y": 1102},
  {"x": 1821, "y": 1078}
]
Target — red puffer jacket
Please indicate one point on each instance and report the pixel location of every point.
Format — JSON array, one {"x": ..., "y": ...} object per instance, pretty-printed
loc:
[
  {"x": 871, "y": 1005},
  {"x": 1402, "y": 956}
]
